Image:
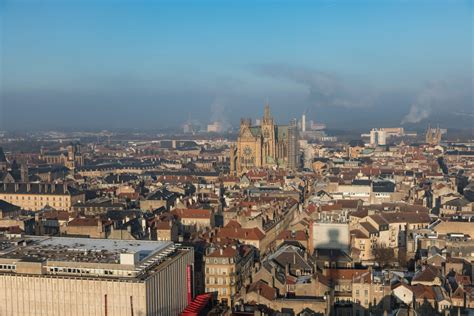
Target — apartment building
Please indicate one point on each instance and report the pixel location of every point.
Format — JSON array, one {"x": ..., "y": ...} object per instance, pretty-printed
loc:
[{"x": 227, "y": 269}]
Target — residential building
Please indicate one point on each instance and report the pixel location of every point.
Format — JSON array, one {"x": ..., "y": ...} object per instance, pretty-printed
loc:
[{"x": 227, "y": 270}]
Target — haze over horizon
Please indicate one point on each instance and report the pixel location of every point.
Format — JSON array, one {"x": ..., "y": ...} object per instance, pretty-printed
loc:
[{"x": 349, "y": 64}]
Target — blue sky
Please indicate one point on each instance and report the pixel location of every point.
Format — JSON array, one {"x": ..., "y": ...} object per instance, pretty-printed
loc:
[{"x": 158, "y": 61}]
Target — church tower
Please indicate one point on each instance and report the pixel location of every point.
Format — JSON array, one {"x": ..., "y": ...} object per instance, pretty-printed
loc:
[
  {"x": 433, "y": 136},
  {"x": 429, "y": 135},
  {"x": 268, "y": 138}
]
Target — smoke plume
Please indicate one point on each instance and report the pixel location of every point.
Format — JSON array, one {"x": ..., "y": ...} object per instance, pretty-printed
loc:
[
  {"x": 438, "y": 96},
  {"x": 324, "y": 89}
]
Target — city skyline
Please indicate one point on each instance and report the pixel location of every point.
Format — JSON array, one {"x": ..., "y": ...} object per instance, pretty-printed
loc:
[{"x": 236, "y": 157}]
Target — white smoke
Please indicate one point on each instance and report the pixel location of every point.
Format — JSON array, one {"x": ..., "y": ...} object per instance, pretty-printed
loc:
[
  {"x": 435, "y": 97},
  {"x": 218, "y": 112},
  {"x": 430, "y": 96},
  {"x": 324, "y": 89}
]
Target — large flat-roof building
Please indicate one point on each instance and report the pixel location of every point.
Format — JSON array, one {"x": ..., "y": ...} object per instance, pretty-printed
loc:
[{"x": 82, "y": 276}]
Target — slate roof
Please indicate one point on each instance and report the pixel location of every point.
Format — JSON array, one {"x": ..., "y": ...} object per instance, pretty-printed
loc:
[
  {"x": 6, "y": 207},
  {"x": 281, "y": 132},
  {"x": 292, "y": 256},
  {"x": 162, "y": 194},
  {"x": 38, "y": 188},
  {"x": 383, "y": 186},
  {"x": 361, "y": 182}
]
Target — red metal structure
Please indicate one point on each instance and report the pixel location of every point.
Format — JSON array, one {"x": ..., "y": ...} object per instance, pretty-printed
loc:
[{"x": 197, "y": 305}]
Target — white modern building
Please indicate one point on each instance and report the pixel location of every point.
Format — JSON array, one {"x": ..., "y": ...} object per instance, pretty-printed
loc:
[{"x": 378, "y": 137}]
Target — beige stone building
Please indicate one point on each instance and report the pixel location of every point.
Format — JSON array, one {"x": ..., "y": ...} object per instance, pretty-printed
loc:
[
  {"x": 370, "y": 293},
  {"x": 262, "y": 293},
  {"x": 194, "y": 219},
  {"x": 80, "y": 276},
  {"x": 265, "y": 145},
  {"x": 227, "y": 270},
  {"x": 166, "y": 230},
  {"x": 35, "y": 196},
  {"x": 159, "y": 198},
  {"x": 87, "y": 227},
  {"x": 71, "y": 157}
]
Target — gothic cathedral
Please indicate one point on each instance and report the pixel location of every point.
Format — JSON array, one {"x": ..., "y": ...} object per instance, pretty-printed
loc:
[{"x": 264, "y": 146}]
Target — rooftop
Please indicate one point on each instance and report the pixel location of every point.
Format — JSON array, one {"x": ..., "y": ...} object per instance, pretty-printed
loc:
[{"x": 127, "y": 253}]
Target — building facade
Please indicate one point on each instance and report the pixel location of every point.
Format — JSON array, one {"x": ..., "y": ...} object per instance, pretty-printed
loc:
[
  {"x": 433, "y": 136},
  {"x": 265, "y": 145},
  {"x": 36, "y": 196},
  {"x": 79, "y": 276},
  {"x": 227, "y": 270},
  {"x": 378, "y": 137},
  {"x": 70, "y": 158}
]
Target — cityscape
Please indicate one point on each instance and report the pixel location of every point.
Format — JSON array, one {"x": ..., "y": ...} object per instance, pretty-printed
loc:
[{"x": 236, "y": 158}]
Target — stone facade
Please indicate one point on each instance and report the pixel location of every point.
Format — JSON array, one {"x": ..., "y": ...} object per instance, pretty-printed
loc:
[{"x": 265, "y": 145}]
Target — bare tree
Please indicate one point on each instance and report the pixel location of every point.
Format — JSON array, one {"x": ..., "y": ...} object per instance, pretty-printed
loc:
[{"x": 383, "y": 255}]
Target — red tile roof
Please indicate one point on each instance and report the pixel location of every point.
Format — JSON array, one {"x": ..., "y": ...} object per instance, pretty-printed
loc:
[
  {"x": 233, "y": 224},
  {"x": 289, "y": 235},
  {"x": 81, "y": 221},
  {"x": 344, "y": 274},
  {"x": 192, "y": 213},
  {"x": 427, "y": 274},
  {"x": 263, "y": 289},
  {"x": 422, "y": 292},
  {"x": 240, "y": 233},
  {"x": 227, "y": 252}
]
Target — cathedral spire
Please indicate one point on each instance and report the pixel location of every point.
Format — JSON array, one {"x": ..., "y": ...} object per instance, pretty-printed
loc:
[{"x": 266, "y": 115}]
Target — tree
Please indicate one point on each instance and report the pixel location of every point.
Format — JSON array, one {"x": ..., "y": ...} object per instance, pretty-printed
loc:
[{"x": 383, "y": 255}]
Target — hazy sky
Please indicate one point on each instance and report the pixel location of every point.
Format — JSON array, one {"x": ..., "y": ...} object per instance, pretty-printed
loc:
[{"x": 112, "y": 63}]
